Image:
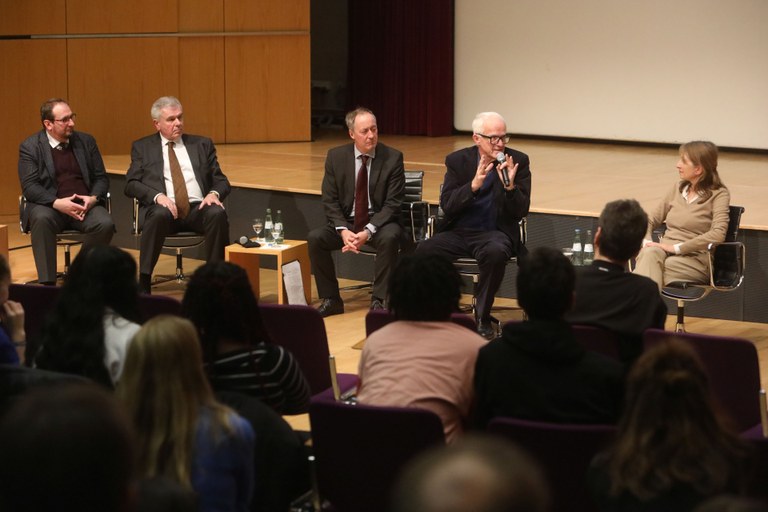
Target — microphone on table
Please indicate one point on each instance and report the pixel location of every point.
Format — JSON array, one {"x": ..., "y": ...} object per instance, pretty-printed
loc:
[
  {"x": 500, "y": 158},
  {"x": 247, "y": 242}
]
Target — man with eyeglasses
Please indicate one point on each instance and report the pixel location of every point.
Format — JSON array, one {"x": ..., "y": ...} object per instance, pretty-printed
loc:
[
  {"x": 486, "y": 192},
  {"x": 65, "y": 184}
]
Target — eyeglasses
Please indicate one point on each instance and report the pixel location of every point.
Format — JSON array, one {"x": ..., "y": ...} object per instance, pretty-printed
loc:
[
  {"x": 66, "y": 119},
  {"x": 495, "y": 139}
]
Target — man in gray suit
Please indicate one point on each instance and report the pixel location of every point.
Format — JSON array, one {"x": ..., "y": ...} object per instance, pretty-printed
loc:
[
  {"x": 179, "y": 185},
  {"x": 362, "y": 191},
  {"x": 63, "y": 178}
]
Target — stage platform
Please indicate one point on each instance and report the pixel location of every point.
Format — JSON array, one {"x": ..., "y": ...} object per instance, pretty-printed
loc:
[{"x": 571, "y": 183}]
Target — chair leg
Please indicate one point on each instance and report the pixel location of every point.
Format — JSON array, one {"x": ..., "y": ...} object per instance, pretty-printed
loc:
[
  {"x": 680, "y": 325},
  {"x": 179, "y": 266},
  {"x": 67, "y": 259}
]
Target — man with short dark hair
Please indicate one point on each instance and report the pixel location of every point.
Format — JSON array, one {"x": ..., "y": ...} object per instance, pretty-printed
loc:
[
  {"x": 423, "y": 359},
  {"x": 537, "y": 370},
  {"x": 608, "y": 296},
  {"x": 65, "y": 184}
]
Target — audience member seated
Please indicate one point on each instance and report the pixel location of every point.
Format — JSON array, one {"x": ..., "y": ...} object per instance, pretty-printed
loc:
[
  {"x": 95, "y": 317},
  {"x": 695, "y": 211},
  {"x": 11, "y": 319},
  {"x": 16, "y": 381},
  {"x": 68, "y": 449},
  {"x": 183, "y": 432},
  {"x": 537, "y": 370},
  {"x": 672, "y": 450},
  {"x": 422, "y": 359},
  {"x": 607, "y": 295},
  {"x": 161, "y": 494},
  {"x": 236, "y": 348},
  {"x": 477, "y": 474},
  {"x": 731, "y": 503}
]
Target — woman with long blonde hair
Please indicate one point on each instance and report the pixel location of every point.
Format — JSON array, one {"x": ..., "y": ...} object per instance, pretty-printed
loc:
[{"x": 183, "y": 432}]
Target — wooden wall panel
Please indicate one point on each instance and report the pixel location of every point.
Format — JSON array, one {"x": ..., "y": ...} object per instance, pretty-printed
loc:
[
  {"x": 121, "y": 16},
  {"x": 20, "y": 17},
  {"x": 253, "y": 15},
  {"x": 201, "y": 85},
  {"x": 28, "y": 76},
  {"x": 113, "y": 83},
  {"x": 267, "y": 87},
  {"x": 201, "y": 15}
]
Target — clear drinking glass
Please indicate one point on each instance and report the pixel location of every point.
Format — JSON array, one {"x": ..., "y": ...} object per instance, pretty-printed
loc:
[
  {"x": 258, "y": 227},
  {"x": 277, "y": 231}
]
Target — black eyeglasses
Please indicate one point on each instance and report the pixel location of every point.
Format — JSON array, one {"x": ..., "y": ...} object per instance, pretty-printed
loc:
[
  {"x": 495, "y": 139},
  {"x": 66, "y": 119}
]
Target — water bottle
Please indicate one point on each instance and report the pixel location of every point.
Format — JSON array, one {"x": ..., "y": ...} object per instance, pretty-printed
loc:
[
  {"x": 268, "y": 227},
  {"x": 279, "y": 234},
  {"x": 578, "y": 253},
  {"x": 589, "y": 249}
]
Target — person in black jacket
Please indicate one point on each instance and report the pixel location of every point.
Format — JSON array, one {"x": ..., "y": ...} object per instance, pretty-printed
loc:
[{"x": 536, "y": 370}]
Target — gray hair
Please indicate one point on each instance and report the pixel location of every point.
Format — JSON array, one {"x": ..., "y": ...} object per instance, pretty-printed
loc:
[
  {"x": 351, "y": 116},
  {"x": 161, "y": 103},
  {"x": 479, "y": 122}
]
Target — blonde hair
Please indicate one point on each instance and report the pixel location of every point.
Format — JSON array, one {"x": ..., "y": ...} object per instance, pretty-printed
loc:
[{"x": 165, "y": 390}]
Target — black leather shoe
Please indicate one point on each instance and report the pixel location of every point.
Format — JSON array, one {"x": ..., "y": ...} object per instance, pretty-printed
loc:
[
  {"x": 331, "y": 307},
  {"x": 486, "y": 330},
  {"x": 377, "y": 304}
]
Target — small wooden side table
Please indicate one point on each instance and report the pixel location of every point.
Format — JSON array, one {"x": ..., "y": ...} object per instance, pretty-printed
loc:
[{"x": 288, "y": 251}]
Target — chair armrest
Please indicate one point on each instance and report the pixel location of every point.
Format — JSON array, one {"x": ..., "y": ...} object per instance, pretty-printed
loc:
[
  {"x": 22, "y": 207},
  {"x": 136, "y": 230}
]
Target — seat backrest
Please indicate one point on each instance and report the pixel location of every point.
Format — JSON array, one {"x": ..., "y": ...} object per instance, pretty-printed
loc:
[
  {"x": 733, "y": 371},
  {"x": 360, "y": 450},
  {"x": 152, "y": 305},
  {"x": 301, "y": 330},
  {"x": 734, "y": 221},
  {"x": 597, "y": 339},
  {"x": 37, "y": 301},
  {"x": 564, "y": 452},
  {"x": 414, "y": 213}
]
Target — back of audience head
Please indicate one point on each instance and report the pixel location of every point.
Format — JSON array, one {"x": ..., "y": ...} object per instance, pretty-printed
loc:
[
  {"x": 671, "y": 431},
  {"x": 68, "y": 448},
  {"x": 477, "y": 474},
  {"x": 164, "y": 387},
  {"x": 73, "y": 336},
  {"x": 620, "y": 230},
  {"x": 5, "y": 269},
  {"x": 545, "y": 283},
  {"x": 161, "y": 494},
  {"x": 220, "y": 301},
  {"x": 731, "y": 503},
  {"x": 424, "y": 287}
]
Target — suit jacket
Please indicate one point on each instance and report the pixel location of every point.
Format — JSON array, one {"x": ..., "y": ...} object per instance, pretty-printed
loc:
[
  {"x": 145, "y": 176},
  {"x": 386, "y": 185},
  {"x": 37, "y": 174},
  {"x": 511, "y": 207}
]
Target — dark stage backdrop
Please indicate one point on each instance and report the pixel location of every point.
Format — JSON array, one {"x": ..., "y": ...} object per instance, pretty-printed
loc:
[{"x": 401, "y": 64}]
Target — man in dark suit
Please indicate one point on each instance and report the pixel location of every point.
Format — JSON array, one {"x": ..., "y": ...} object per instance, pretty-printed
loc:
[
  {"x": 482, "y": 213},
  {"x": 63, "y": 179},
  {"x": 362, "y": 191},
  {"x": 179, "y": 185}
]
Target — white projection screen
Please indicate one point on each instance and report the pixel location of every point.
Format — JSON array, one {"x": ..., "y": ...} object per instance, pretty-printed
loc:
[{"x": 664, "y": 71}]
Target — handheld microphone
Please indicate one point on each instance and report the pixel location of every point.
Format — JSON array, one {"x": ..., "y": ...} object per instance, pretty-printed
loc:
[
  {"x": 247, "y": 242},
  {"x": 500, "y": 158}
]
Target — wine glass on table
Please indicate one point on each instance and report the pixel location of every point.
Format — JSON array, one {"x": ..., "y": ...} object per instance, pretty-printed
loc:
[{"x": 258, "y": 227}]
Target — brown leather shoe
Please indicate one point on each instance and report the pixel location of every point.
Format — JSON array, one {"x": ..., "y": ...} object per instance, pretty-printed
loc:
[{"x": 331, "y": 307}]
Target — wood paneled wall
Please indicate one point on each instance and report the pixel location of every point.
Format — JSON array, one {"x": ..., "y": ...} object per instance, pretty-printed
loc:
[{"x": 240, "y": 67}]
